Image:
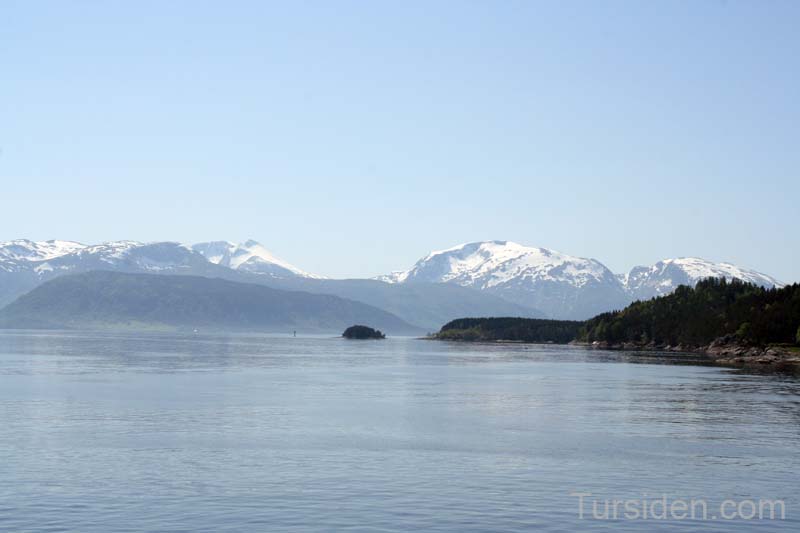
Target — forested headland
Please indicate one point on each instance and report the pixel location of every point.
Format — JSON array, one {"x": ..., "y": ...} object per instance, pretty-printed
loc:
[
  {"x": 731, "y": 321},
  {"x": 510, "y": 329},
  {"x": 715, "y": 309}
]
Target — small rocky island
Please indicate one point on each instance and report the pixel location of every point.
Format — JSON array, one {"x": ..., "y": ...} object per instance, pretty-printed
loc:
[{"x": 362, "y": 332}]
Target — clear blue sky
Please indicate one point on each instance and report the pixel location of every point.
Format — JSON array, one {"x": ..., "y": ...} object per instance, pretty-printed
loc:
[{"x": 353, "y": 137}]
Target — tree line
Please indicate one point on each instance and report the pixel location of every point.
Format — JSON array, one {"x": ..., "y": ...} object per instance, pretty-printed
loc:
[
  {"x": 714, "y": 308},
  {"x": 694, "y": 316},
  {"x": 510, "y": 329}
]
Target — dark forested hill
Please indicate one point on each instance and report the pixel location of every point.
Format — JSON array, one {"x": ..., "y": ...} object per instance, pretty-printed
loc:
[
  {"x": 510, "y": 329},
  {"x": 102, "y": 299},
  {"x": 697, "y": 316}
]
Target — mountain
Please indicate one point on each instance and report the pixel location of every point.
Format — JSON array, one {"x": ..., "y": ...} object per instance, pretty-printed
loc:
[
  {"x": 25, "y": 265},
  {"x": 645, "y": 282},
  {"x": 44, "y": 256},
  {"x": 560, "y": 285},
  {"x": 492, "y": 278},
  {"x": 249, "y": 256},
  {"x": 116, "y": 299}
]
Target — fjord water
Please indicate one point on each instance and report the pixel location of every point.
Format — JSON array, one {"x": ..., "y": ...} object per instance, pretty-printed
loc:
[{"x": 173, "y": 432}]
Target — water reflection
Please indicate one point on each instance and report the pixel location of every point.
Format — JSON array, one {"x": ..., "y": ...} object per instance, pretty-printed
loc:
[{"x": 107, "y": 432}]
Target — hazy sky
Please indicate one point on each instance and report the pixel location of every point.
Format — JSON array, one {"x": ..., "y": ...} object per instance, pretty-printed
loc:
[{"x": 351, "y": 138}]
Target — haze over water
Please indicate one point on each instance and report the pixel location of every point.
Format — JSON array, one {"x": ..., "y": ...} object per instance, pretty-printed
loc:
[{"x": 157, "y": 432}]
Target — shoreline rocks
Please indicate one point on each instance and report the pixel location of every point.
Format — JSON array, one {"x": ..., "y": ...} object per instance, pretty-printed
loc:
[{"x": 723, "y": 351}]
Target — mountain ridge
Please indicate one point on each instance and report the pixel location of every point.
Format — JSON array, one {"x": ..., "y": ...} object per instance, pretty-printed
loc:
[
  {"x": 121, "y": 299},
  {"x": 561, "y": 285},
  {"x": 28, "y": 264},
  {"x": 512, "y": 278}
]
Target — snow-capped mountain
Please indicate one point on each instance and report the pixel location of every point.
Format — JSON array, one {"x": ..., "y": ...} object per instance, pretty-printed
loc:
[
  {"x": 44, "y": 256},
  {"x": 249, "y": 256},
  {"x": 25, "y": 264},
  {"x": 645, "y": 282},
  {"x": 560, "y": 285},
  {"x": 48, "y": 256},
  {"x": 487, "y": 264}
]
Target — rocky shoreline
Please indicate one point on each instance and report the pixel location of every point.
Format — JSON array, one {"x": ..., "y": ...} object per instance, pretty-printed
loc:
[{"x": 724, "y": 351}]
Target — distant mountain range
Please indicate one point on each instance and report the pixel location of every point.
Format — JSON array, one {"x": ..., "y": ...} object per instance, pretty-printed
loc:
[
  {"x": 24, "y": 265},
  {"x": 490, "y": 278},
  {"x": 560, "y": 285}
]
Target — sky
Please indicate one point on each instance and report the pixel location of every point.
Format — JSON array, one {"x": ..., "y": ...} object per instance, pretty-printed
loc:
[{"x": 351, "y": 138}]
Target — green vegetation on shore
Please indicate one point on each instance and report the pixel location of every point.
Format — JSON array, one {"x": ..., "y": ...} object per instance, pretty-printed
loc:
[
  {"x": 715, "y": 309},
  {"x": 510, "y": 329},
  {"x": 728, "y": 312}
]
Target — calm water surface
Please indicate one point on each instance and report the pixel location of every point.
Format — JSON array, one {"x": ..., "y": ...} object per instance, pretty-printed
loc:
[{"x": 112, "y": 432}]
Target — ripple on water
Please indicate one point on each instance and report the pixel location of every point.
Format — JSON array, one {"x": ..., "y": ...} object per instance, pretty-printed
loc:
[{"x": 158, "y": 432}]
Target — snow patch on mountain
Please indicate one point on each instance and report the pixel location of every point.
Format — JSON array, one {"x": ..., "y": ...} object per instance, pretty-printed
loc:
[
  {"x": 25, "y": 250},
  {"x": 110, "y": 252},
  {"x": 396, "y": 276}
]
